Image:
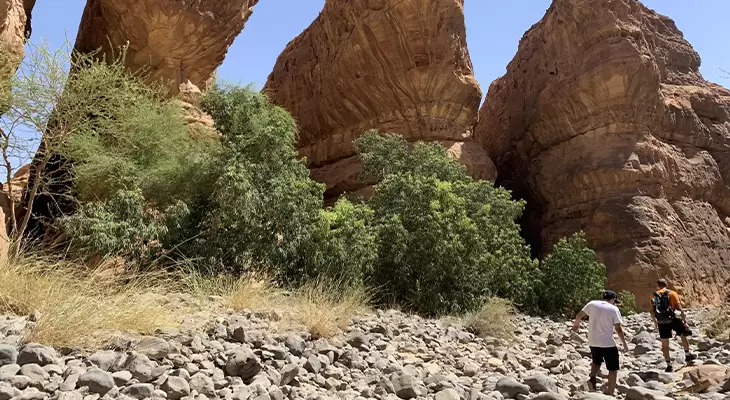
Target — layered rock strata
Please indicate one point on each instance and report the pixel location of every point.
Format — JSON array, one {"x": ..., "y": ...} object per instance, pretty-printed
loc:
[
  {"x": 15, "y": 27},
  {"x": 394, "y": 66},
  {"x": 604, "y": 123},
  {"x": 172, "y": 41}
]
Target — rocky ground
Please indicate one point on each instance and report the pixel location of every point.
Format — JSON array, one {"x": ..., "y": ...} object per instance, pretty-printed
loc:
[{"x": 386, "y": 355}]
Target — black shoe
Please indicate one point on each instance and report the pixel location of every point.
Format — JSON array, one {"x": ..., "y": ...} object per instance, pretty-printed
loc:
[
  {"x": 689, "y": 357},
  {"x": 669, "y": 368}
]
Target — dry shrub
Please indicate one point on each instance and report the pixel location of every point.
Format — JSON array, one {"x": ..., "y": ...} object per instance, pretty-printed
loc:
[
  {"x": 494, "y": 319},
  {"x": 73, "y": 307},
  {"x": 325, "y": 308},
  {"x": 717, "y": 323}
]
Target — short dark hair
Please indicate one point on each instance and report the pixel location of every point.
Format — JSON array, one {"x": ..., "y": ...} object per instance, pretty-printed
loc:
[{"x": 661, "y": 282}]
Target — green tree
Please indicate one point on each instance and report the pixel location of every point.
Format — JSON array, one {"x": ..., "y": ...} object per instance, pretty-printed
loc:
[
  {"x": 446, "y": 241},
  {"x": 571, "y": 276},
  {"x": 264, "y": 208},
  {"x": 628, "y": 303}
]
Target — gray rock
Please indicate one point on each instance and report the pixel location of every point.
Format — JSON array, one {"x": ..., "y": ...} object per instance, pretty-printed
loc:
[
  {"x": 313, "y": 364},
  {"x": 288, "y": 373},
  {"x": 358, "y": 340},
  {"x": 53, "y": 369},
  {"x": 634, "y": 380},
  {"x": 9, "y": 370},
  {"x": 8, "y": 354},
  {"x": 239, "y": 334},
  {"x": 140, "y": 391},
  {"x": 541, "y": 383},
  {"x": 176, "y": 388},
  {"x": 407, "y": 387},
  {"x": 726, "y": 386},
  {"x": 34, "y": 353},
  {"x": 17, "y": 381},
  {"x": 70, "y": 396},
  {"x": 153, "y": 347},
  {"x": 278, "y": 352},
  {"x": 69, "y": 384},
  {"x": 97, "y": 380},
  {"x": 595, "y": 396},
  {"x": 7, "y": 392},
  {"x": 642, "y": 348},
  {"x": 36, "y": 374},
  {"x": 549, "y": 396},
  {"x": 141, "y": 367},
  {"x": 448, "y": 394},
  {"x": 32, "y": 394},
  {"x": 295, "y": 344},
  {"x": 243, "y": 363},
  {"x": 202, "y": 384},
  {"x": 104, "y": 359},
  {"x": 121, "y": 378},
  {"x": 644, "y": 337},
  {"x": 641, "y": 393},
  {"x": 511, "y": 388}
]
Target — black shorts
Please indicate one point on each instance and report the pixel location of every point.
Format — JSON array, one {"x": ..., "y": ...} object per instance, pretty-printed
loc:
[
  {"x": 608, "y": 354},
  {"x": 665, "y": 330}
]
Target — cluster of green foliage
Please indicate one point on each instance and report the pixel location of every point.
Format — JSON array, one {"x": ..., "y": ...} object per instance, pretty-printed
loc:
[
  {"x": 570, "y": 275},
  {"x": 431, "y": 238},
  {"x": 628, "y": 303}
]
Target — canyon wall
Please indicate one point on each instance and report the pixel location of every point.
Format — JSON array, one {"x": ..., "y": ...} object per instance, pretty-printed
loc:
[
  {"x": 395, "y": 66},
  {"x": 604, "y": 123}
]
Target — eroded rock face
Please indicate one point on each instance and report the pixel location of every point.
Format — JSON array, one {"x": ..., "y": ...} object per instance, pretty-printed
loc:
[
  {"x": 179, "y": 41},
  {"x": 604, "y": 123},
  {"x": 14, "y": 29},
  {"x": 396, "y": 66}
]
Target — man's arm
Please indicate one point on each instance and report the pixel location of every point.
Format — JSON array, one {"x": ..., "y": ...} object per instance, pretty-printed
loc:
[
  {"x": 674, "y": 297},
  {"x": 578, "y": 318},
  {"x": 620, "y": 332}
]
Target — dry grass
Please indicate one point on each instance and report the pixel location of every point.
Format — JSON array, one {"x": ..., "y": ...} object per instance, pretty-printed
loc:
[
  {"x": 493, "y": 319},
  {"x": 717, "y": 323},
  {"x": 325, "y": 308},
  {"x": 76, "y": 307}
]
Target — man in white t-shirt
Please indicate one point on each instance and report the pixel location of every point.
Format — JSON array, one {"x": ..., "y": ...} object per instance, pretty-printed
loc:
[{"x": 603, "y": 318}]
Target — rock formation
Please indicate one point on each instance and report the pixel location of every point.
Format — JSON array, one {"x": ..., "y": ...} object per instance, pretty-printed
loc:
[
  {"x": 604, "y": 123},
  {"x": 14, "y": 29},
  {"x": 395, "y": 66},
  {"x": 177, "y": 41}
]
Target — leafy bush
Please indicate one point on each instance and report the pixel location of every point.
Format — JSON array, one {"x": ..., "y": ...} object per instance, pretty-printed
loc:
[
  {"x": 264, "y": 208},
  {"x": 345, "y": 246},
  {"x": 122, "y": 225},
  {"x": 449, "y": 240},
  {"x": 571, "y": 276},
  {"x": 628, "y": 303}
]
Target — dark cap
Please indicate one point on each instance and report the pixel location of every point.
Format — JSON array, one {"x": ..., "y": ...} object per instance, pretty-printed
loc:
[{"x": 609, "y": 295}]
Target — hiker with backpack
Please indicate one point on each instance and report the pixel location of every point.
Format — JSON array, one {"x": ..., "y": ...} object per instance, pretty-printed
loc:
[
  {"x": 603, "y": 318},
  {"x": 665, "y": 306}
]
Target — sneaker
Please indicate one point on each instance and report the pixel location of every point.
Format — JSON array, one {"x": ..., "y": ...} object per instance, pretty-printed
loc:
[
  {"x": 689, "y": 357},
  {"x": 669, "y": 368}
]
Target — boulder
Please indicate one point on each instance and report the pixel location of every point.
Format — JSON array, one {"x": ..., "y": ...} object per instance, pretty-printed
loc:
[
  {"x": 603, "y": 123},
  {"x": 395, "y": 66}
]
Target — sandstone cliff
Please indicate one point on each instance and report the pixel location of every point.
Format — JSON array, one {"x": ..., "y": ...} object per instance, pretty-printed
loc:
[
  {"x": 14, "y": 29},
  {"x": 177, "y": 41},
  {"x": 604, "y": 123},
  {"x": 395, "y": 66}
]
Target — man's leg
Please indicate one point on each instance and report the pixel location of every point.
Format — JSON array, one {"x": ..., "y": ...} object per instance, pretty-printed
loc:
[
  {"x": 665, "y": 333},
  {"x": 683, "y": 334},
  {"x": 612, "y": 376},
  {"x": 597, "y": 359},
  {"x": 612, "y": 363}
]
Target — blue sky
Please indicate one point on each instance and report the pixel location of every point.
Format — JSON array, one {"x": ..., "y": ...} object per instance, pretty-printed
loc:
[{"x": 494, "y": 28}]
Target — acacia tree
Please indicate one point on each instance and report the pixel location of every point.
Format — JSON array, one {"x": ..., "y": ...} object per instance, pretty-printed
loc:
[{"x": 55, "y": 95}]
